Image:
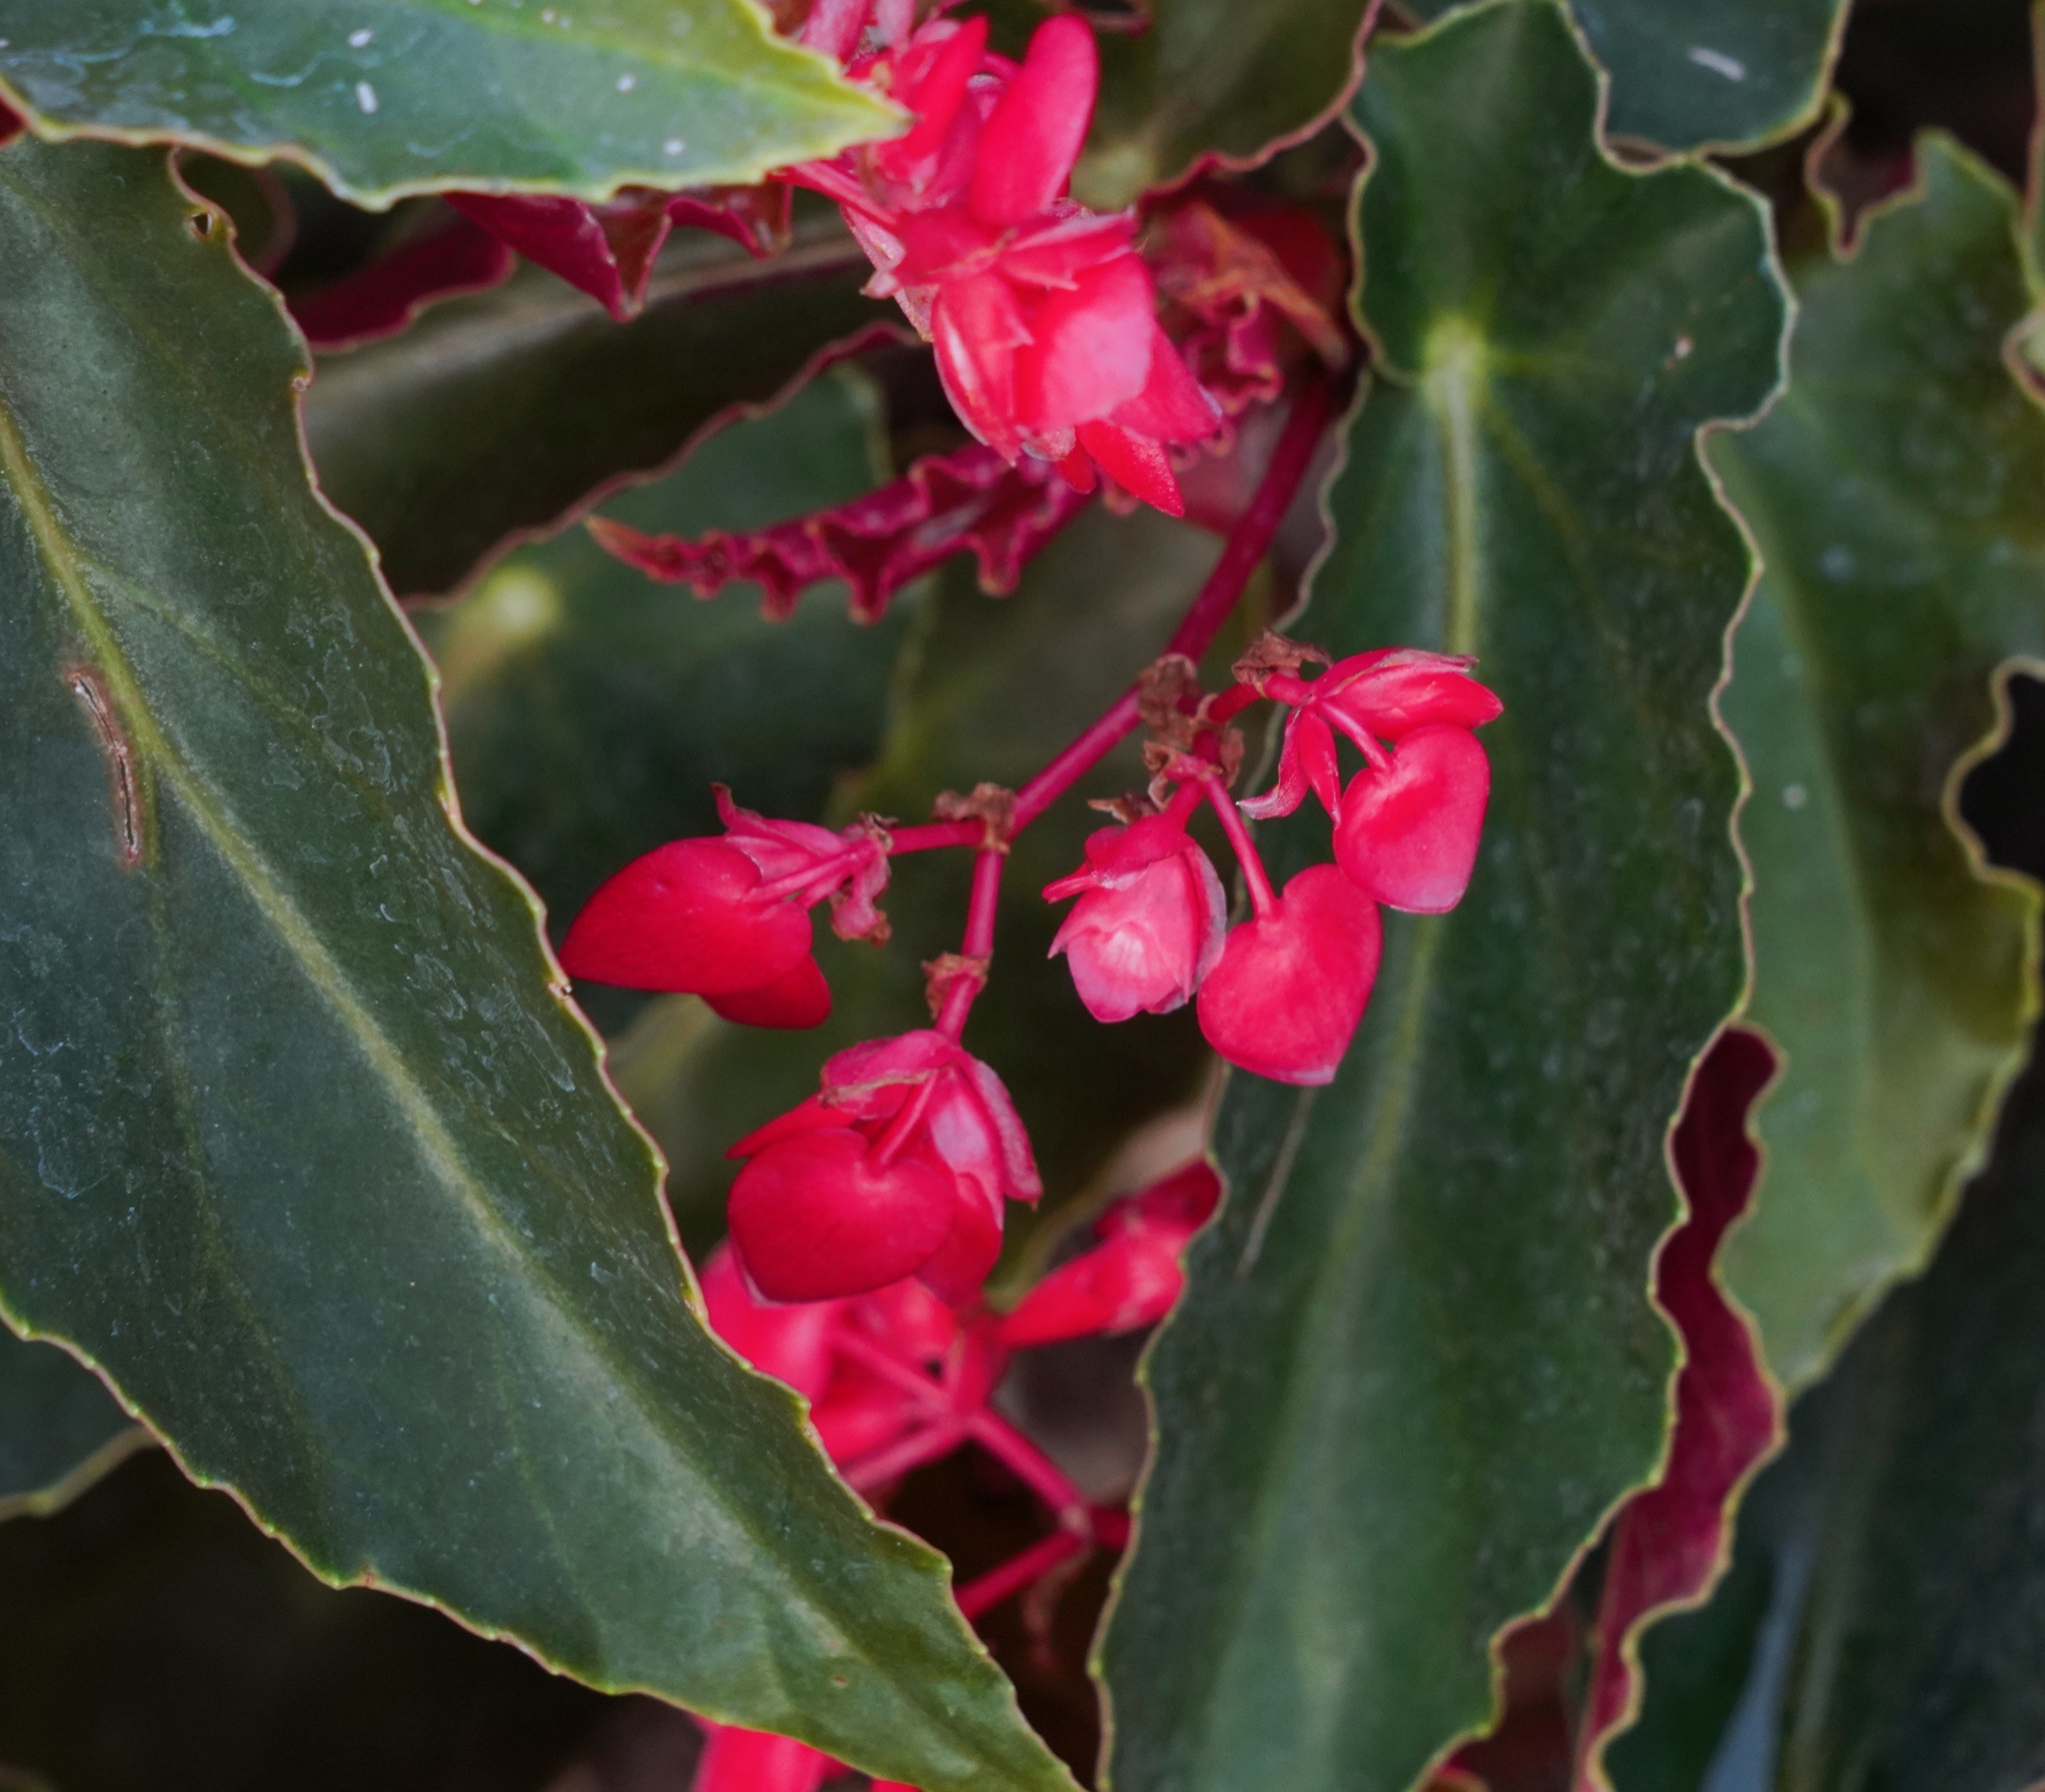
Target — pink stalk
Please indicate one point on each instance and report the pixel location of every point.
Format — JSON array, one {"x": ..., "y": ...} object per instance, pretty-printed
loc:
[
  {"x": 1032, "y": 1467},
  {"x": 992, "y": 1587},
  {"x": 927, "y": 836},
  {"x": 1248, "y": 542},
  {"x": 979, "y": 938},
  {"x": 905, "y": 1454},
  {"x": 877, "y": 1359},
  {"x": 1263, "y": 897}
]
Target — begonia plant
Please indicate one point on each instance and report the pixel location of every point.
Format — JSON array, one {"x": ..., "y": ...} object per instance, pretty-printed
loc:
[{"x": 989, "y": 895}]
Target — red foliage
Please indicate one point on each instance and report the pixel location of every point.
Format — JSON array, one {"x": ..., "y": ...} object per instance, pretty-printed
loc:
[
  {"x": 441, "y": 262},
  {"x": 1670, "y": 1541}
]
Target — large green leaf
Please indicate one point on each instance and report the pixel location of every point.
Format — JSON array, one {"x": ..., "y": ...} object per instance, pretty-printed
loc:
[
  {"x": 59, "y": 1428},
  {"x": 153, "y": 1640},
  {"x": 991, "y": 691},
  {"x": 387, "y": 97},
  {"x": 1417, "y": 1360},
  {"x": 504, "y": 412},
  {"x": 1727, "y": 72},
  {"x": 297, "y": 1141},
  {"x": 589, "y": 708},
  {"x": 1894, "y": 495},
  {"x": 1884, "y": 1618}
]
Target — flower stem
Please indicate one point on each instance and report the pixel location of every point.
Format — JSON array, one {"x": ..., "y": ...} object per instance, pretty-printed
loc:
[
  {"x": 989, "y": 1589},
  {"x": 927, "y": 836},
  {"x": 979, "y": 942},
  {"x": 1248, "y": 542},
  {"x": 1263, "y": 898},
  {"x": 1033, "y": 1468}
]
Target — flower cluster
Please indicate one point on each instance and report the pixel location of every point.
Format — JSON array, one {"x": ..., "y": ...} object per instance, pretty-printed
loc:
[
  {"x": 896, "y": 1378},
  {"x": 1043, "y": 314},
  {"x": 898, "y": 1167},
  {"x": 1281, "y": 994}
]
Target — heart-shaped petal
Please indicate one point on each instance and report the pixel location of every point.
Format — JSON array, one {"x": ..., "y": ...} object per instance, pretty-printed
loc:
[
  {"x": 1408, "y": 835},
  {"x": 1290, "y": 988},
  {"x": 815, "y": 1216},
  {"x": 797, "y": 998},
  {"x": 680, "y": 920}
]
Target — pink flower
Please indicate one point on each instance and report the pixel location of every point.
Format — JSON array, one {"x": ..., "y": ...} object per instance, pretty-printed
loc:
[
  {"x": 1390, "y": 691},
  {"x": 751, "y": 1760},
  {"x": 1131, "y": 1279},
  {"x": 1291, "y": 987},
  {"x": 728, "y": 919},
  {"x": 1042, "y": 313},
  {"x": 1305, "y": 762},
  {"x": 1407, "y": 833},
  {"x": 1148, "y": 923},
  {"x": 898, "y": 1167}
]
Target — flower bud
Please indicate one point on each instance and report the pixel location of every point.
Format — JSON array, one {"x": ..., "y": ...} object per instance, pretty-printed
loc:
[
  {"x": 1391, "y": 691},
  {"x": 1290, "y": 988},
  {"x": 898, "y": 1166},
  {"x": 1131, "y": 1279},
  {"x": 1148, "y": 923},
  {"x": 752, "y": 1760},
  {"x": 680, "y": 919},
  {"x": 1407, "y": 836},
  {"x": 819, "y": 1215}
]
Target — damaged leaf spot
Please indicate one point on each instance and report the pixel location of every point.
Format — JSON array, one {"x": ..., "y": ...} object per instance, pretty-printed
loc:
[{"x": 122, "y": 791}]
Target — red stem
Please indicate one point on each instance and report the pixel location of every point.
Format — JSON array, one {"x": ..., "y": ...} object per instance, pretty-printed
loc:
[
  {"x": 1263, "y": 898},
  {"x": 1248, "y": 542},
  {"x": 928, "y": 835},
  {"x": 992, "y": 1587},
  {"x": 905, "y": 1454},
  {"x": 1032, "y": 1467},
  {"x": 979, "y": 939},
  {"x": 878, "y": 1360}
]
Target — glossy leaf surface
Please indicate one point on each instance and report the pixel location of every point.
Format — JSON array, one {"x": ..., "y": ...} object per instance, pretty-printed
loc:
[
  {"x": 990, "y": 691},
  {"x": 387, "y": 96},
  {"x": 153, "y": 1640},
  {"x": 1884, "y": 1615},
  {"x": 1894, "y": 497},
  {"x": 1717, "y": 72},
  {"x": 589, "y": 709},
  {"x": 1418, "y": 1361},
  {"x": 505, "y": 411},
  {"x": 296, "y": 1138},
  {"x": 59, "y": 1428}
]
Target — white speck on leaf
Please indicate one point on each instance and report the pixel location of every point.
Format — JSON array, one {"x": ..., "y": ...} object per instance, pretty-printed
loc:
[
  {"x": 1794, "y": 796},
  {"x": 366, "y": 96},
  {"x": 674, "y": 146},
  {"x": 626, "y": 82},
  {"x": 360, "y": 40},
  {"x": 1718, "y": 61}
]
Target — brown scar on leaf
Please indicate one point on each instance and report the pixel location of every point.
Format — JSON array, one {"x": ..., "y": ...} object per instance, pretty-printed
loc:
[{"x": 122, "y": 790}]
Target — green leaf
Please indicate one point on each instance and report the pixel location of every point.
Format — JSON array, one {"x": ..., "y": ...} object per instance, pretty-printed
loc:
[
  {"x": 503, "y": 412},
  {"x": 382, "y": 98},
  {"x": 990, "y": 691},
  {"x": 297, "y": 1142},
  {"x": 1418, "y": 1361},
  {"x": 153, "y": 1640},
  {"x": 1725, "y": 73},
  {"x": 59, "y": 1428},
  {"x": 1881, "y": 1626},
  {"x": 589, "y": 709},
  {"x": 1893, "y": 498}
]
